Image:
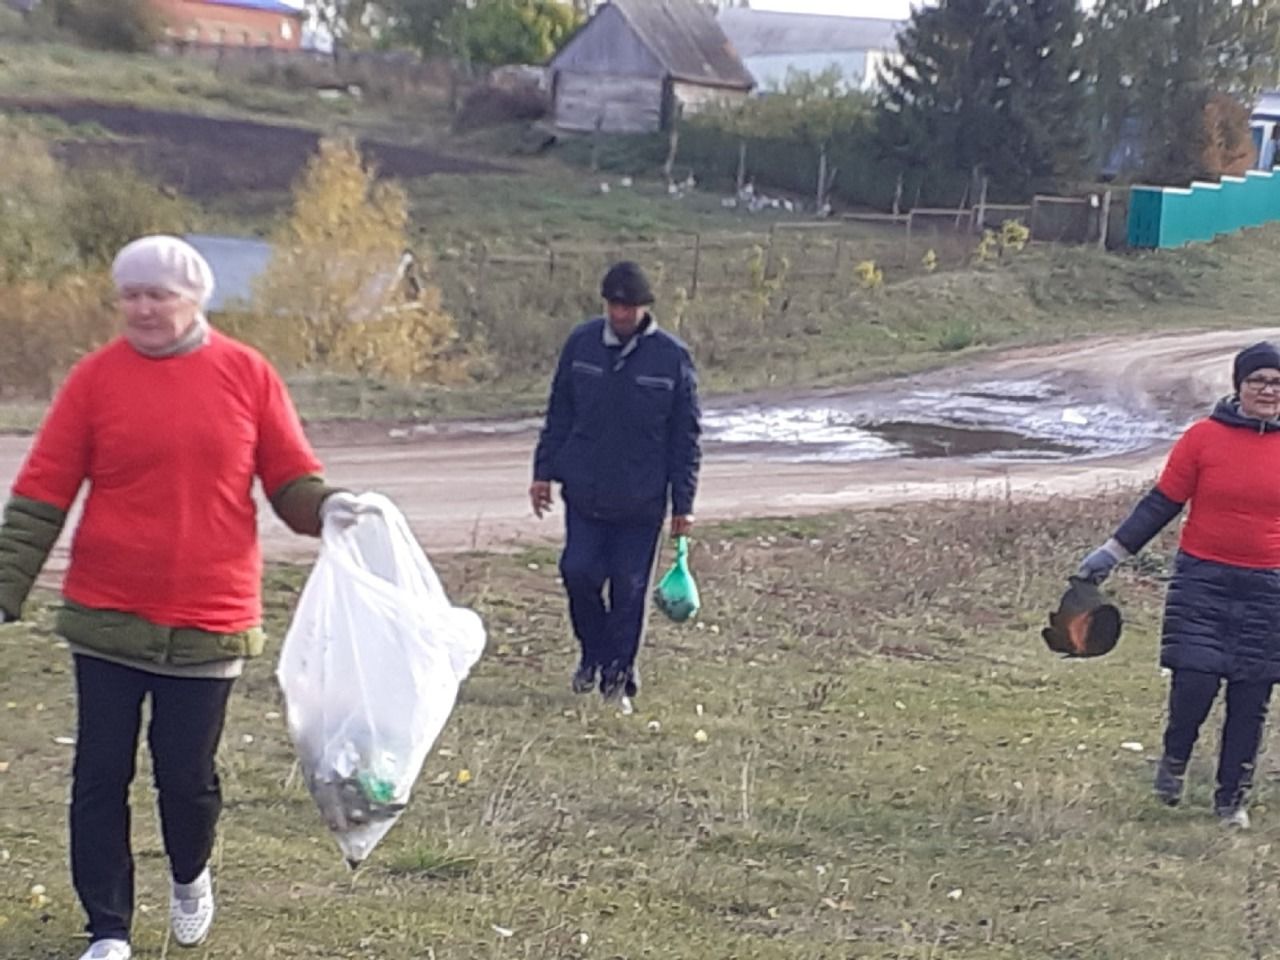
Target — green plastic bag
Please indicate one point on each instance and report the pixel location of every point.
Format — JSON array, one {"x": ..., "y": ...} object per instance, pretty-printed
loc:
[{"x": 677, "y": 593}]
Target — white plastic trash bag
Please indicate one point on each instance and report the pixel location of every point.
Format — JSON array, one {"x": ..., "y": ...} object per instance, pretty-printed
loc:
[{"x": 370, "y": 671}]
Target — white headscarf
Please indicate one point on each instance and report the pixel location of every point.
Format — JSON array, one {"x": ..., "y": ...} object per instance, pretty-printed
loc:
[{"x": 166, "y": 262}]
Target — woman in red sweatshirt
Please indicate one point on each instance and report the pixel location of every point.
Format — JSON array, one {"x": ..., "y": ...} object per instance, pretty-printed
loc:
[
  {"x": 168, "y": 426},
  {"x": 1222, "y": 615}
]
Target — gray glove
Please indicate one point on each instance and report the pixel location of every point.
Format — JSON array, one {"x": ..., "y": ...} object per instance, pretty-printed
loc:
[{"x": 1097, "y": 566}]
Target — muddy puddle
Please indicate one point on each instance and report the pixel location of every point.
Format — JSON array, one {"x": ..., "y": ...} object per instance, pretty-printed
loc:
[{"x": 1026, "y": 420}]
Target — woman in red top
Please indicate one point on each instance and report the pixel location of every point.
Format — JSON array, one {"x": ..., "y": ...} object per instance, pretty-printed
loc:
[
  {"x": 169, "y": 426},
  {"x": 1222, "y": 615}
]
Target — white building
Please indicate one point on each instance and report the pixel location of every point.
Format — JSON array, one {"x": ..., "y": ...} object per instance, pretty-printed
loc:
[{"x": 772, "y": 43}]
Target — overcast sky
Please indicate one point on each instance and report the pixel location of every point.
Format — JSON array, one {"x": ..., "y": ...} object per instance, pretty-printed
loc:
[{"x": 893, "y": 9}]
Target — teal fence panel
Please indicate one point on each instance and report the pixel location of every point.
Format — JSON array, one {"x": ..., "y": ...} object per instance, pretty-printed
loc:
[
  {"x": 1146, "y": 204},
  {"x": 1174, "y": 216}
]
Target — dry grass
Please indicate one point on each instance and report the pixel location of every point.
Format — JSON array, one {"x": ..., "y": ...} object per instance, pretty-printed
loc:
[
  {"x": 894, "y": 767},
  {"x": 804, "y": 333}
]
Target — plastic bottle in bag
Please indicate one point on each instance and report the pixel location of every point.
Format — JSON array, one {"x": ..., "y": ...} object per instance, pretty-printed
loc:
[
  {"x": 370, "y": 671},
  {"x": 677, "y": 593}
]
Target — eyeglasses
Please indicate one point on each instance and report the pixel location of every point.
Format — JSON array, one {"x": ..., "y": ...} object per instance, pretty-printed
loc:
[{"x": 1263, "y": 383}]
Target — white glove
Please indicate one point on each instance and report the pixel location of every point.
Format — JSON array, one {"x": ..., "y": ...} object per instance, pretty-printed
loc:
[{"x": 343, "y": 509}]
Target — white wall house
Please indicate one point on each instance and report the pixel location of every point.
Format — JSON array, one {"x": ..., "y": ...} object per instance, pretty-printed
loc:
[{"x": 772, "y": 43}]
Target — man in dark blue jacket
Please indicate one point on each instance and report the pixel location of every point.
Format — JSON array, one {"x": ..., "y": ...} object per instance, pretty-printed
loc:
[{"x": 622, "y": 438}]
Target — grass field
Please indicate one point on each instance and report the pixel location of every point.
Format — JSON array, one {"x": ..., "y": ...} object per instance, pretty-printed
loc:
[
  {"x": 817, "y": 335},
  {"x": 51, "y": 70},
  {"x": 801, "y": 323},
  {"x": 893, "y": 767}
]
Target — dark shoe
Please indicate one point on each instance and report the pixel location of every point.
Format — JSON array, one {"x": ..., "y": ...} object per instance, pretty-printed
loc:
[
  {"x": 584, "y": 678},
  {"x": 1171, "y": 776},
  {"x": 631, "y": 686},
  {"x": 613, "y": 684},
  {"x": 616, "y": 688}
]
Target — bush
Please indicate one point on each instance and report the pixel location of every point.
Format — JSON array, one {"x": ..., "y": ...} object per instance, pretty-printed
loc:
[
  {"x": 45, "y": 327},
  {"x": 1229, "y": 146},
  {"x": 958, "y": 335},
  {"x": 125, "y": 26},
  {"x": 34, "y": 240},
  {"x": 114, "y": 205},
  {"x": 336, "y": 276},
  {"x": 493, "y": 106}
]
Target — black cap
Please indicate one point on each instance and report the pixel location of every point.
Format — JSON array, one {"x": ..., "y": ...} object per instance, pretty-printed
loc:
[
  {"x": 626, "y": 283},
  {"x": 1257, "y": 357}
]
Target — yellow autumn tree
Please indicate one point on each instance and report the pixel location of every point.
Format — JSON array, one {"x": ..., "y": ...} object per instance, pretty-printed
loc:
[{"x": 337, "y": 291}]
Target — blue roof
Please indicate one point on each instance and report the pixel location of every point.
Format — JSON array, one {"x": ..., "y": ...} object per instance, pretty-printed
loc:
[
  {"x": 236, "y": 263},
  {"x": 270, "y": 6}
]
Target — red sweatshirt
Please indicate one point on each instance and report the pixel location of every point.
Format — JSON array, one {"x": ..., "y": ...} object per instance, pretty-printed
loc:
[
  {"x": 1231, "y": 476},
  {"x": 170, "y": 449}
]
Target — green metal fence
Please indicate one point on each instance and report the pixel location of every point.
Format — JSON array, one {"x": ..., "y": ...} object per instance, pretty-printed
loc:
[{"x": 1174, "y": 216}]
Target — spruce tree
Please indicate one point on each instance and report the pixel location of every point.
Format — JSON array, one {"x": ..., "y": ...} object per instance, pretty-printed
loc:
[{"x": 993, "y": 86}]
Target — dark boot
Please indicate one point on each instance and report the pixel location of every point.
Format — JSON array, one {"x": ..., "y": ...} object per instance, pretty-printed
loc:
[
  {"x": 1171, "y": 776},
  {"x": 584, "y": 678},
  {"x": 615, "y": 687}
]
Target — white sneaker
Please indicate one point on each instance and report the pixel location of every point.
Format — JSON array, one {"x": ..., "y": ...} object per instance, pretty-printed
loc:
[
  {"x": 191, "y": 910},
  {"x": 108, "y": 950},
  {"x": 1235, "y": 817}
]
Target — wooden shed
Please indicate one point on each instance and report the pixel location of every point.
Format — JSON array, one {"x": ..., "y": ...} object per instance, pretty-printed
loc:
[{"x": 633, "y": 63}]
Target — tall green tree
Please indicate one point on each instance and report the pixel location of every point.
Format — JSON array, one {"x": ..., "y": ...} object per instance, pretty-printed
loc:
[
  {"x": 426, "y": 24},
  {"x": 1046, "y": 98},
  {"x": 995, "y": 86},
  {"x": 1161, "y": 63},
  {"x": 486, "y": 33},
  {"x": 499, "y": 32},
  {"x": 354, "y": 24},
  {"x": 815, "y": 111}
]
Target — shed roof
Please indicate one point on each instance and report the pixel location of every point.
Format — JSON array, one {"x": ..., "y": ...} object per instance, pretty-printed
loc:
[
  {"x": 762, "y": 32},
  {"x": 686, "y": 39}
]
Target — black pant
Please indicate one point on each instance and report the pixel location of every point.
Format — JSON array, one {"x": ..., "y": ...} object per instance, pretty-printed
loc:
[
  {"x": 186, "y": 725},
  {"x": 1191, "y": 695},
  {"x": 622, "y": 555}
]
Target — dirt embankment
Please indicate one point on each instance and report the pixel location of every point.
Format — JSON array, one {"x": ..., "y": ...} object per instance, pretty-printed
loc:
[{"x": 207, "y": 157}]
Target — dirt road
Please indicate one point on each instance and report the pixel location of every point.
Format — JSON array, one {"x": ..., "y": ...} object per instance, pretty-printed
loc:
[{"x": 465, "y": 488}]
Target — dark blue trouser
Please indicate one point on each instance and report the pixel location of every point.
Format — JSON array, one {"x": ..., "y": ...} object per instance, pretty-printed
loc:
[
  {"x": 187, "y": 715},
  {"x": 622, "y": 555},
  {"x": 1191, "y": 696}
]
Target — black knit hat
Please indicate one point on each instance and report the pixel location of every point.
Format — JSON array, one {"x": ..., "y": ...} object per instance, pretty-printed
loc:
[
  {"x": 1257, "y": 357},
  {"x": 626, "y": 283}
]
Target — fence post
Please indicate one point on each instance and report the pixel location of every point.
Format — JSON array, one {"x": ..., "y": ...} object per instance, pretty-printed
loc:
[
  {"x": 835, "y": 267},
  {"x": 1104, "y": 220},
  {"x": 906, "y": 241},
  {"x": 981, "y": 213},
  {"x": 768, "y": 252},
  {"x": 697, "y": 264},
  {"x": 551, "y": 262}
]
